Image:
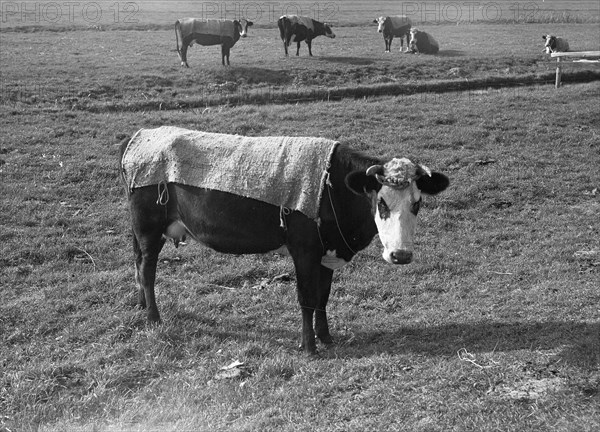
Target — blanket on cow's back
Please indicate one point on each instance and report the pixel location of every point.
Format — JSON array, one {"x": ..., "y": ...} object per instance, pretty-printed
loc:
[
  {"x": 216, "y": 27},
  {"x": 284, "y": 171},
  {"x": 304, "y": 20}
]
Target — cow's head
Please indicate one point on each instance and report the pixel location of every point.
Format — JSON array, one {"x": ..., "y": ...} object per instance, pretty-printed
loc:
[
  {"x": 412, "y": 44},
  {"x": 396, "y": 189},
  {"x": 328, "y": 32},
  {"x": 380, "y": 23},
  {"x": 243, "y": 25},
  {"x": 550, "y": 45}
]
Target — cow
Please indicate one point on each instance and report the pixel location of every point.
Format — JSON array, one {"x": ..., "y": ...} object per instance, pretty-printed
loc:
[
  {"x": 422, "y": 42},
  {"x": 295, "y": 28},
  {"x": 209, "y": 32},
  {"x": 555, "y": 44},
  {"x": 392, "y": 26},
  {"x": 361, "y": 196}
]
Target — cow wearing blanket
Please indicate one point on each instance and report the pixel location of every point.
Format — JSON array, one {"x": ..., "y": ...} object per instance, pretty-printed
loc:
[
  {"x": 296, "y": 28},
  {"x": 209, "y": 32},
  {"x": 312, "y": 197}
]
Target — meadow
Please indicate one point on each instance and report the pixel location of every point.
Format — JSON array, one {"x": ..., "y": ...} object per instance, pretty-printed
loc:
[{"x": 495, "y": 326}]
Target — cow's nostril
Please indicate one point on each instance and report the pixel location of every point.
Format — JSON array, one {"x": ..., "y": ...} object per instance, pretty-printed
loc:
[{"x": 401, "y": 257}]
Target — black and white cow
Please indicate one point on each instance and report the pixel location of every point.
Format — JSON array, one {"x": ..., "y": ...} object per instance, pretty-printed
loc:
[
  {"x": 295, "y": 28},
  {"x": 392, "y": 26},
  {"x": 209, "y": 32},
  {"x": 422, "y": 42},
  {"x": 555, "y": 44},
  {"x": 364, "y": 196}
]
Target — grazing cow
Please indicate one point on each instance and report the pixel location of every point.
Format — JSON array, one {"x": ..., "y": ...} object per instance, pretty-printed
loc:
[
  {"x": 209, "y": 32},
  {"x": 392, "y": 26},
  {"x": 294, "y": 28},
  {"x": 423, "y": 42},
  {"x": 358, "y": 196},
  {"x": 555, "y": 44}
]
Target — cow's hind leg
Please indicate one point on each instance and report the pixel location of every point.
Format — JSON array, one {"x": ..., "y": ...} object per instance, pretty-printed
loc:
[
  {"x": 297, "y": 48},
  {"x": 321, "y": 325},
  {"x": 149, "y": 220},
  {"x": 146, "y": 261}
]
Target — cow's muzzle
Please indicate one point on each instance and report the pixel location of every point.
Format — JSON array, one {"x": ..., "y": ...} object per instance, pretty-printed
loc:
[{"x": 399, "y": 256}]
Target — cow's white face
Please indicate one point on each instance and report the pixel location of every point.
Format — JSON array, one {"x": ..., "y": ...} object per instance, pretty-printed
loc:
[
  {"x": 244, "y": 24},
  {"x": 397, "y": 204},
  {"x": 550, "y": 44},
  {"x": 412, "y": 44},
  {"x": 396, "y": 189},
  {"x": 380, "y": 22}
]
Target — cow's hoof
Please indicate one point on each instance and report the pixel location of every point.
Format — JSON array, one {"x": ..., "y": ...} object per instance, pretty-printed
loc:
[{"x": 326, "y": 339}]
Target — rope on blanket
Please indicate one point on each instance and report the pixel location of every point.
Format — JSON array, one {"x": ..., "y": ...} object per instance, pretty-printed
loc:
[
  {"x": 163, "y": 193},
  {"x": 283, "y": 212}
]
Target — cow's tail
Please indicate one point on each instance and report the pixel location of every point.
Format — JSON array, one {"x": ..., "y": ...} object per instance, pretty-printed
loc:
[{"x": 177, "y": 36}]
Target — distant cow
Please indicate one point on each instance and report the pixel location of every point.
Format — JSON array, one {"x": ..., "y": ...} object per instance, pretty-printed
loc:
[
  {"x": 209, "y": 32},
  {"x": 423, "y": 42},
  {"x": 295, "y": 28},
  {"x": 391, "y": 26},
  {"x": 555, "y": 44},
  {"x": 357, "y": 196}
]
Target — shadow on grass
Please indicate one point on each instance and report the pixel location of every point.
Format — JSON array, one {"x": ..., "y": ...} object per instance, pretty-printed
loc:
[
  {"x": 450, "y": 53},
  {"x": 478, "y": 337},
  {"x": 356, "y": 61}
]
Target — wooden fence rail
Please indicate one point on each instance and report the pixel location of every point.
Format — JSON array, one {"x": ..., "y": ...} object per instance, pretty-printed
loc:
[{"x": 579, "y": 56}]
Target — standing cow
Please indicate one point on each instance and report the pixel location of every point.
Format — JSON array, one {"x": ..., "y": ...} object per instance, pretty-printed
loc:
[
  {"x": 423, "y": 42},
  {"x": 391, "y": 26},
  {"x": 358, "y": 197},
  {"x": 295, "y": 28},
  {"x": 209, "y": 32},
  {"x": 555, "y": 44}
]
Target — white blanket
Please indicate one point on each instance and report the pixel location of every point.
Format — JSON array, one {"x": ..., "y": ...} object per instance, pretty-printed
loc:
[
  {"x": 304, "y": 20},
  {"x": 216, "y": 27},
  {"x": 284, "y": 171}
]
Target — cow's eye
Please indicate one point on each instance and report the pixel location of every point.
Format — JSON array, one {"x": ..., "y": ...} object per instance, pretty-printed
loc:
[
  {"x": 384, "y": 210},
  {"x": 415, "y": 207}
]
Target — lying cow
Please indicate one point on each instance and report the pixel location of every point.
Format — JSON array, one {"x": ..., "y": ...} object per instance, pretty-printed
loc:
[
  {"x": 555, "y": 44},
  {"x": 294, "y": 28},
  {"x": 422, "y": 42},
  {"x": 209, "y": 32},
  {"x": 177, "y": 187},
  {"x": 398, "y": 26}
]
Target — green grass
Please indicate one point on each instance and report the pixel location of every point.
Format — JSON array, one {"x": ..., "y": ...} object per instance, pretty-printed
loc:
[{"x": 494, "y": 326}]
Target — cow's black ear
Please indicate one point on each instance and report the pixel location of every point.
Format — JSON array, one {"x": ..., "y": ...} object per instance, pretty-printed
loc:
[
  {"x": 360, "y": 183},
  {"x": 375, "y": 21},
  {"x": 250, "y": 23},
  {"x": 544, "y": 37},
  {"x": 435, "y": 184}
]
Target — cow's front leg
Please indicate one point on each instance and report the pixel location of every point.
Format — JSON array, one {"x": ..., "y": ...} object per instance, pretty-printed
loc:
[
  {"x": 321, "y": 325},
  {"x": 309, "y": 43},
  {"x": 297, "y": 49},
  {"x": 308, "y": 269}
]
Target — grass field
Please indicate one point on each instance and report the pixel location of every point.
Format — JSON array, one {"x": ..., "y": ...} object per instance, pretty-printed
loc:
[{"x": 495, "y": 326}]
